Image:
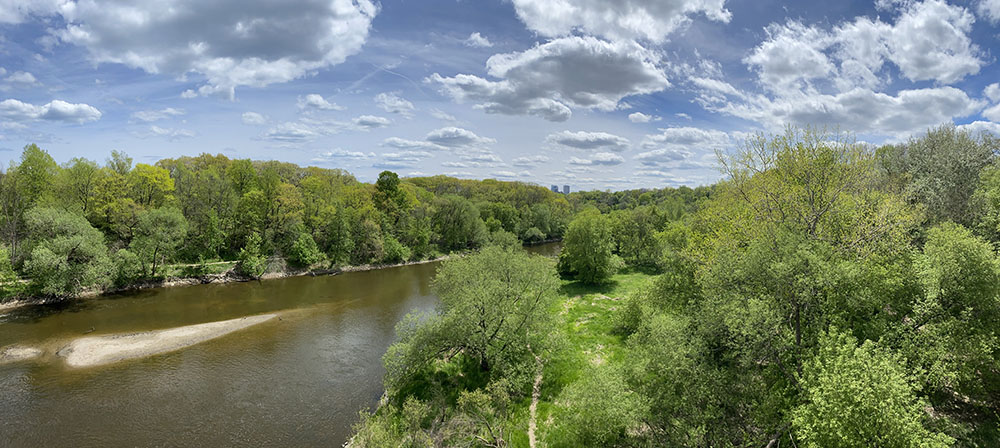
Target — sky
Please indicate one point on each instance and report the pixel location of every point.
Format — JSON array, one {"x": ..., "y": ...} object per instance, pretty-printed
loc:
[{"x": 595, "y": 94}]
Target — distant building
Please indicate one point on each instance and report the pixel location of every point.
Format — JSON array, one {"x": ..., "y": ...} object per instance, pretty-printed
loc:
[
  {"x": 555, "y": 188},
  {"x": 565, "y": 189}
]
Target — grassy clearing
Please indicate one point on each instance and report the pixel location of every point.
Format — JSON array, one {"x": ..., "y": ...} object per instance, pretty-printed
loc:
[{"x": 586, "y": 324}]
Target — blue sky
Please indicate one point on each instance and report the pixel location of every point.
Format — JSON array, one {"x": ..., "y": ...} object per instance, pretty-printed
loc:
[{"x": 597, "y": 94}]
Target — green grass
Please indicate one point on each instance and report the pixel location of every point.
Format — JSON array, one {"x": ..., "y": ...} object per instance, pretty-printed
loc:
[{"x": 586, "y": 325}]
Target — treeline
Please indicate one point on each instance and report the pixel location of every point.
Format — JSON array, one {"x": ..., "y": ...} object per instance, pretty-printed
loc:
[
  {"x": 825, "y": 294},
  {"x": 88, "y": 226}
]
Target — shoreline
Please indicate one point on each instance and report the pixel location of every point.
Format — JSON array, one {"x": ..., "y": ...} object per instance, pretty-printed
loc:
[{"x": 229, "y": 276}]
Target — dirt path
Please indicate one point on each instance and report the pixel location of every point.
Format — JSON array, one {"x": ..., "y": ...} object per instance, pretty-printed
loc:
[{"x": 533, "y": 409}]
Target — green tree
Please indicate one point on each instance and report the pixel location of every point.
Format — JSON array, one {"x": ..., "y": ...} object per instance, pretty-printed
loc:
[
  {"x": 457, "y": 224},
  {"x": 860, "y": 396},
  {"x": 395, "y": 252},
  {"x": 160, "y": 233},
  {"x": 151, "y": 186},
  {"x": 587, "y": 248},
  {"x": 10, "y": 282},
  {"x": 493, "y": 305},
  {"x": 304, "y": 252},
  {"x": 251, "y": 261},
  {"x": 68, "y": 256}
]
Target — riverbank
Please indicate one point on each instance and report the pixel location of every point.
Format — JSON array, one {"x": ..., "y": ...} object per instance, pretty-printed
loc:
[{"x": 281, "y": 270}]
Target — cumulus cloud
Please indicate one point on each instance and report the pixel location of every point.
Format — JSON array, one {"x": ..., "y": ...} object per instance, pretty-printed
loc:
[
  {"x": 672, "y": 146},
  {"x": 442, "y": 115},
  {"x": 589, "y": 140},
  {"x": 504, "y": 174},
  {"x": 990, "y": 10},
  {"x": 56, "y": 110},
  {"x": 551, "y": 78},
  {"x": 616, "y": 19},
  {"x": 254, "y": 119},
  {"x": 447, "y": 138},
  {"x": 478, "y": 41},
  {"x": 156, "y": 115},
  {"x": 391, "y": 102},
  {"x": 291, "y": 132},
  {"x": 338, "y": 154},
  {"x": 371, "y": 122},
  {"x": 601, "y": 158},
  {"x": 19, "y": 79},
  {"x": 992, "y": 92},
  {"x": 993, "y": 113},
  {"x": 228, "y": 43},
  {"x": 862, "y": 110},
  {"x": 928, "y": 41},
  {"x": 314, "y": 101},
  {"x": 453, "y": 137},
  {"x": 529, "y": 161},
  {"x": 402, "y": 159},
  {"x": 168, "y": 133},
  {"x": 639, "y": 117}
]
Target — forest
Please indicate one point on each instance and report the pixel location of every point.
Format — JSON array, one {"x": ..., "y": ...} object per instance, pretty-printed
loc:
[{"x": 825, "y": 293}]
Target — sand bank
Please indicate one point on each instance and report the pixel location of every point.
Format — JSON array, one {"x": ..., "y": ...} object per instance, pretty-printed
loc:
[
  {"x": 16, "y": 353},
  {"x": 97, "y": 350}
]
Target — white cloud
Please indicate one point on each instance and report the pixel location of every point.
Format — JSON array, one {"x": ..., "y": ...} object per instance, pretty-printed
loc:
[
  {"x": 616, "y": 19},
  {"x": 589, "y": 140},
  {"x": 478, "y": 41},
  {"x": 601, "y": 158},
  {"x": 314, "y": 101},
  {"x": 291, "y": 132},
  {"x": 928, "y": 41},
  {"x": 56, "y": 110},
  {"x": 992, "y": 92},
  {"x": 442, "y": 115},
  {"x": 156, "y": 115},
  {"x": 504, "y": 174},
  {"x": 170, "y": 133},
  {"x": 393, "y": 103},
  {"x": 402, "y": 159},
  {"x": 254, "y": 118},
  {"x": 402, "y": 143},
  {"x": 529, "y": 161},
  {"x": 675, "y": 145},
  {"x": 21, "y": 79},
  {"x": 551, "y": 78},
  {"x": 17, "y": 11},
  {"x": 371, "y": 122},
  {"x": 639, "y": 117},
  {"x": 342, "y": 154},
  {"x": 993, "y": 113},
  {"x": 228, "y": 43},
  {"x": 990, "y": 10},
  {"x": 977, "y": 127},
  {"x": 453, "y": 137},
  {"x": 861, "y": 110}
]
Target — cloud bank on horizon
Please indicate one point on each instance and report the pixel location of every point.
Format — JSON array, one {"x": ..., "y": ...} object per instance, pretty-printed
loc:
[{"x": 597, "y": 94}]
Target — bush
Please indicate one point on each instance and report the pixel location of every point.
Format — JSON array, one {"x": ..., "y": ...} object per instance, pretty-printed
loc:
[
  {"x": 304, "y": 251},
  {"x": 128, "y": 268},
  {"x": 251, "y": 263},
  {"x": 395, "y": 252}
]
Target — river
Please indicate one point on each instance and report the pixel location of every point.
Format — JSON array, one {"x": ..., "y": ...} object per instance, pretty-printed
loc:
[{"x": 297, "y": 381}]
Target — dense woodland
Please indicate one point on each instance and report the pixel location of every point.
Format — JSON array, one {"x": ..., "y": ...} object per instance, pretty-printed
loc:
[
  {"x": 85, "y": 226},
  {"x": 824, "y": 294}
]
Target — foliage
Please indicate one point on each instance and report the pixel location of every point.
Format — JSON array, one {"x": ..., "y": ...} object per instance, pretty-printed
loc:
[
  {"x": 860, "y": 396},
  {"x": 600, "y": 409},
  {"x": 252, "y": 262},
  {"x": 304, "y": 252},
  {"x": 159, "y": 233},
  {"x": 69, "y": 255},
  {"x": 587, "y": 249},
  {"x": 395, "y": 252}
]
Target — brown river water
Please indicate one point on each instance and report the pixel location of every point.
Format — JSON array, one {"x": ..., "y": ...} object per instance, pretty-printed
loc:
[{"x": 295, "y": 381}]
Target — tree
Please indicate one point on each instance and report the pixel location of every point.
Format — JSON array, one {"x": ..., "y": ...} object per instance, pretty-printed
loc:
[
  {"x": 587, "y": 247},
  {"x": 493, "y": 305},
  {"x": 251, "y": 262},
  {"x": 76, "y": 184},
  {"x": 600, "y": 409},
  {"x": 304, "y": 252},
  {"x": 68, "y": 256},
  {"x": 860, "y": 396},
  {"x": 395, "y": 252},
  {"x": 151, "y": 185},
  {"x": 943, "y": 167},
  {"x": 457, "y": 224},
  {"x": 10, "y": 282},
  {"x": 160, "y": 233}
]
